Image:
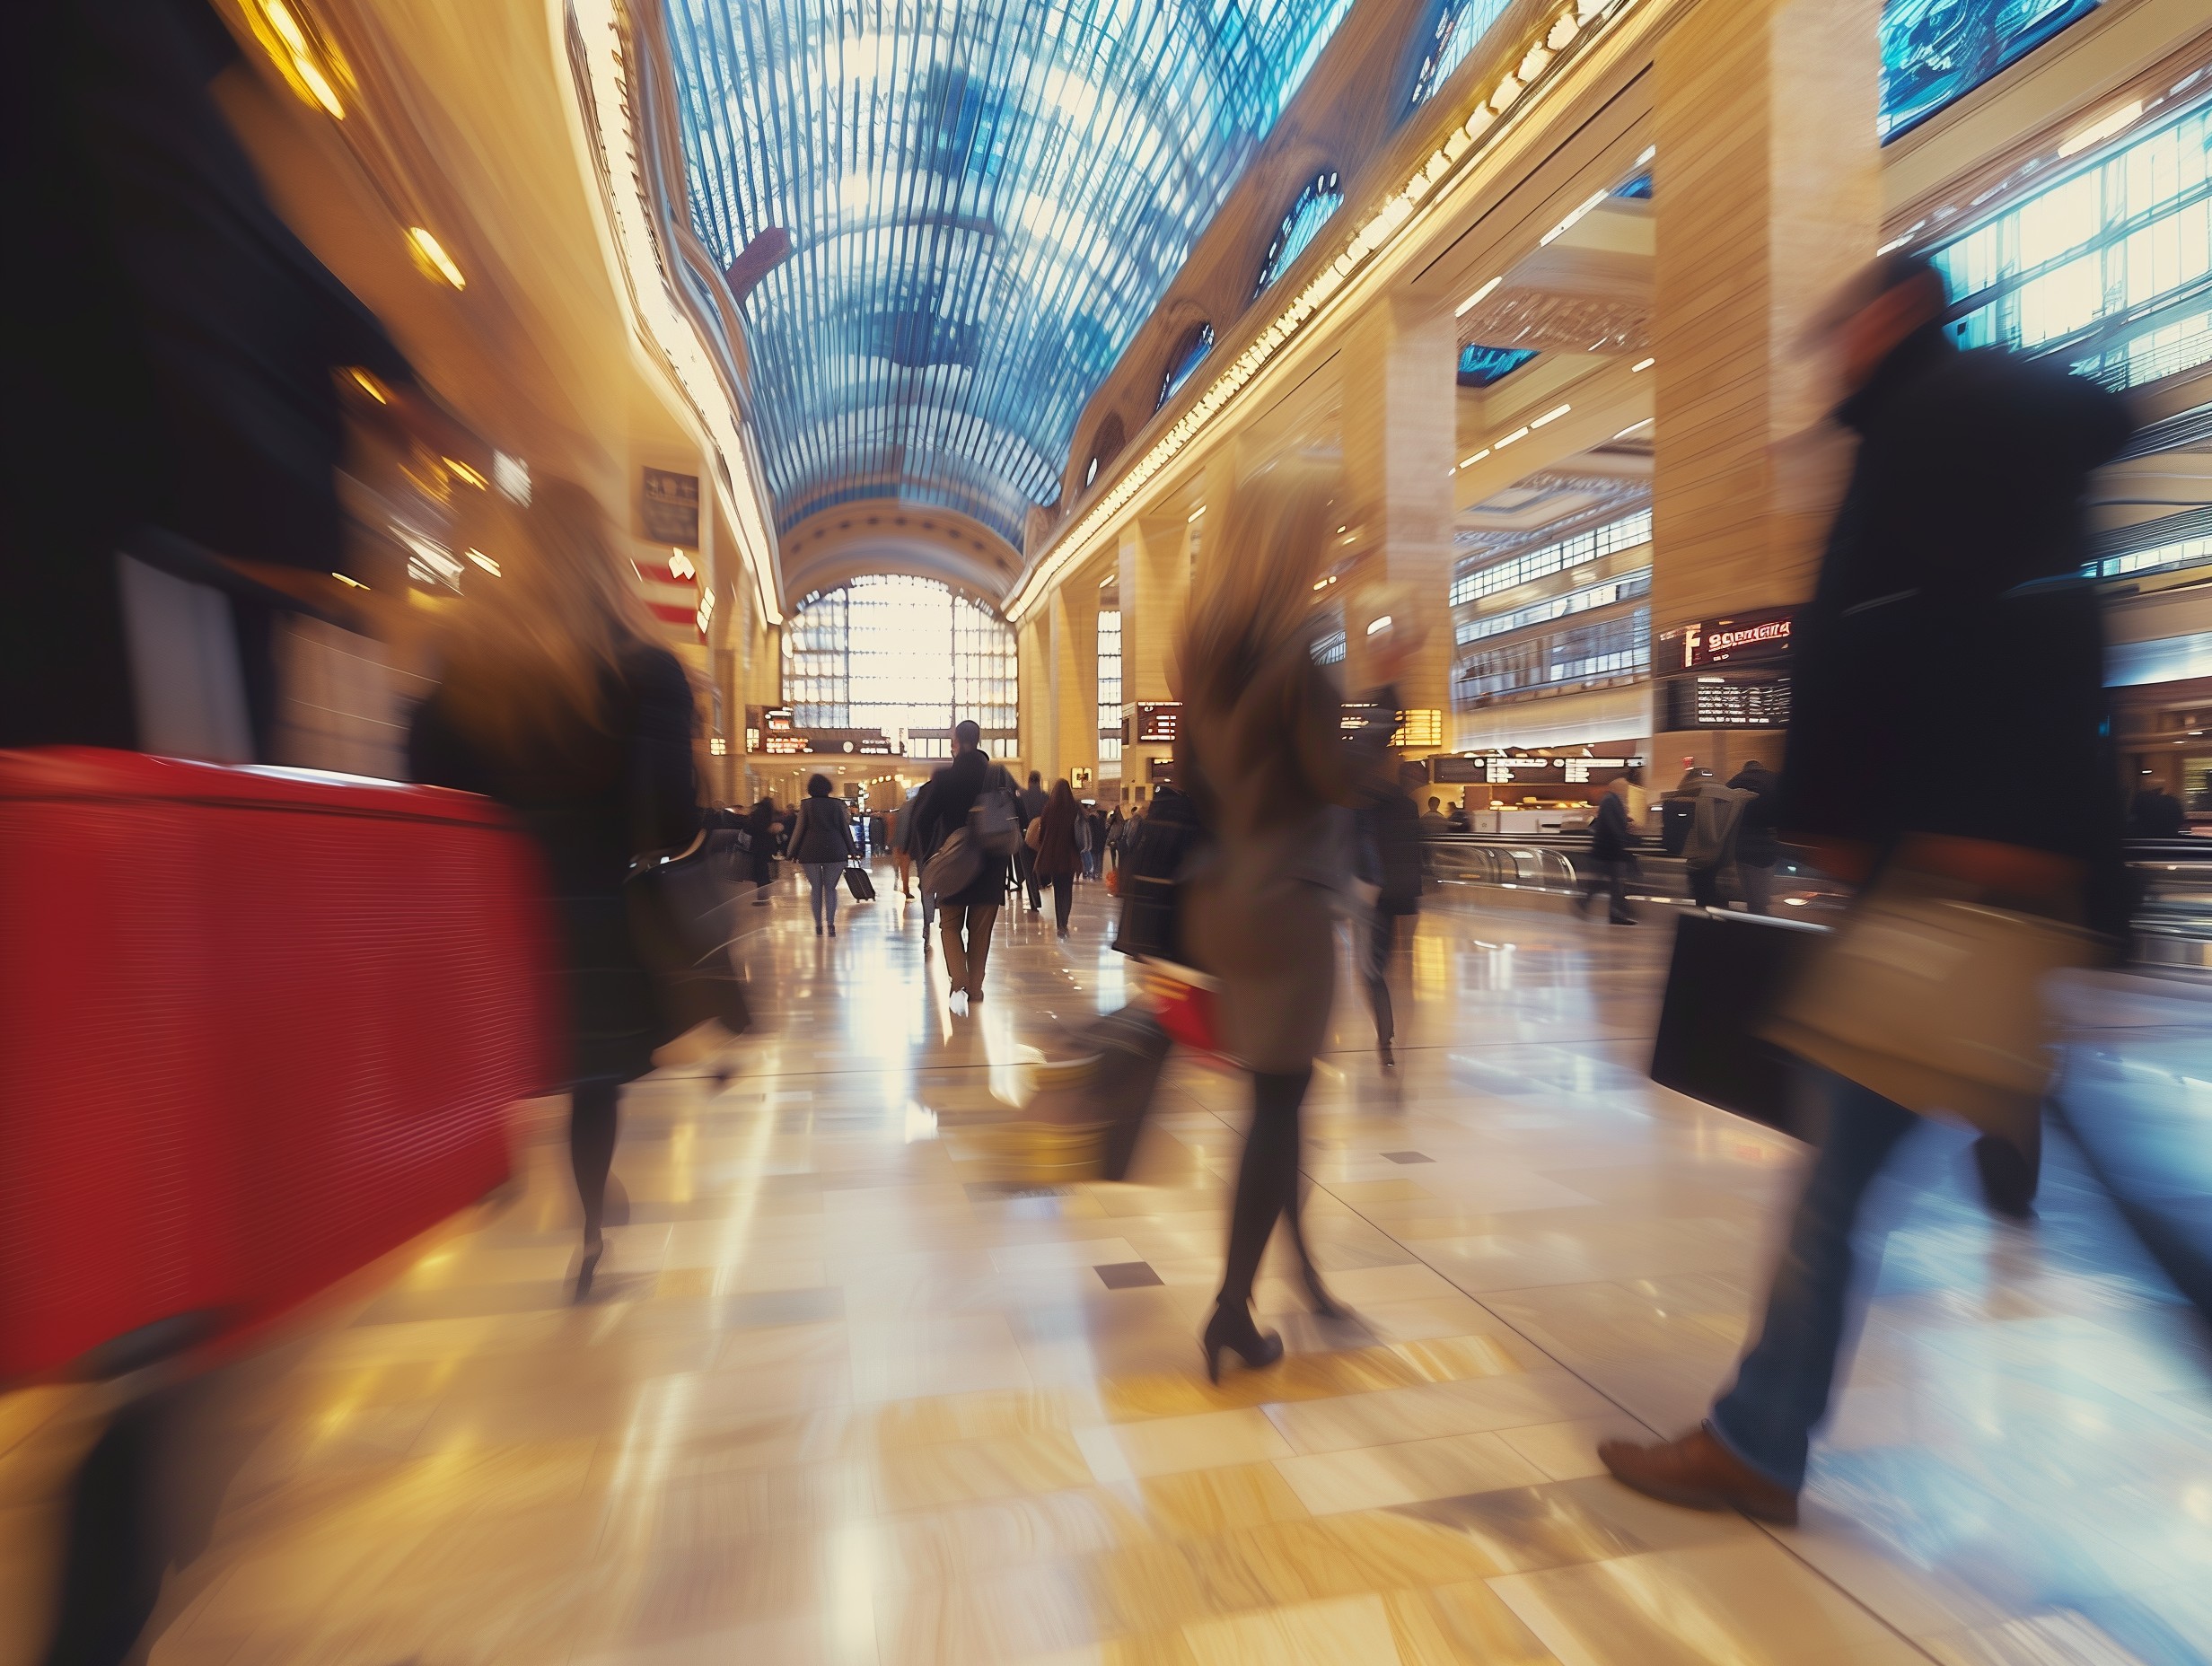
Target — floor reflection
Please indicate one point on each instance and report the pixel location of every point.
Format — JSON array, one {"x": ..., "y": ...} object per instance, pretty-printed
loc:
[{"x": 850, "y": 1400}]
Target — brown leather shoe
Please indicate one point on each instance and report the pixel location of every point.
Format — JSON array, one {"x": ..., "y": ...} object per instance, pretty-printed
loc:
[{"x": 1700, "y": 1473}]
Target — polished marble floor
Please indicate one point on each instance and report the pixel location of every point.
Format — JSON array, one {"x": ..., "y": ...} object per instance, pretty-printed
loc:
[{"x": 846, "y": 1397}]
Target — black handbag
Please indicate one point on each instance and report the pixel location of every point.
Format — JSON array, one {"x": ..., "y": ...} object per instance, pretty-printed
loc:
[
  {"x": 1728, "y": 974},
  {"x": 683, "y": 925}
]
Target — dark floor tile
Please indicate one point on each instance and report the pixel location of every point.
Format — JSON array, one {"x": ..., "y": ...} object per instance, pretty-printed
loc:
[{"x": 1128, "y": 1275}]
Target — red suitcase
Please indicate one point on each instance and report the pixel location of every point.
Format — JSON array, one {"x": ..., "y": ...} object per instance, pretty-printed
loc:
[{"x": 256, "y": 1028}]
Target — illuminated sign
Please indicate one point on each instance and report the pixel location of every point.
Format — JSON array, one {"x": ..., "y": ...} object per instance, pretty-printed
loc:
[
  {"x": 1744, "y": 639},
  {"x": 1727, "y": 703},
  {"x": 1505, "y": 767},
  {"x": 1157, "y": 722}
]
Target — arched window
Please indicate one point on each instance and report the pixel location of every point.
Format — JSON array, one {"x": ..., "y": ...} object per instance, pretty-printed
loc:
[
  {"x": 1460, "y": 25},
  {"x": 1195, "y": 347},
  {"x": 907, "y": 656},
  {"x": 1105, "y": 445},
  {"x": 1321, "y": 197}
]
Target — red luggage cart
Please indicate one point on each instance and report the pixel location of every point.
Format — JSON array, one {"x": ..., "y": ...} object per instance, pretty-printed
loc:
[{"x": 258, "y": 1028}]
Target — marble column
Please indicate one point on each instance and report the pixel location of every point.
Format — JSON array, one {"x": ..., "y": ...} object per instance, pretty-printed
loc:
[
  {"x": 1155, "y": 587},
  {"x": 1767, "y": 195},
  {"x": 1400, "y": 413},
  {"x": 1074, "y": 611}
]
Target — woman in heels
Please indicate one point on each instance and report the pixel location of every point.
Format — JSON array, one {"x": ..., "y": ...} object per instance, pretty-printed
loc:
[
  {"x": 1263, "y": 748},
  {"x": 556, "y": 700}
]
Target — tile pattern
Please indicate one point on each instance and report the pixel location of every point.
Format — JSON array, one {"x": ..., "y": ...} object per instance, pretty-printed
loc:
[{"x": 846, "y": 1398}]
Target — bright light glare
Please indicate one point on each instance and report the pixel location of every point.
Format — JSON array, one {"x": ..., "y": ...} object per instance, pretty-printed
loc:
[
  {"x": 433, "y": 257},
  {"x": 1477, "y": 299}
]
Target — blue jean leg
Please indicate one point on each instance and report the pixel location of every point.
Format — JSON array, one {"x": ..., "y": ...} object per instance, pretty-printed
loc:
[{"x": 1782, "y": 1388}]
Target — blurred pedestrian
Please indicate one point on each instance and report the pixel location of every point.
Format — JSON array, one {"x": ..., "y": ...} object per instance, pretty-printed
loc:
[
  {"x": 558, "y": 699},
  {"x": 1612, "y": 853},
  {"x": 2156, "y": 813},
  {"x": 760, "y": 849},
  {"x": 1262, "y": 725},
  {"x": 821, "y": 843},
  {"x": 1950, "y": 584},
  {"x": 1055, "y": 852},
  {"x": 1758, "y": 845},
  {"x": 1032, "y": 800},
  {"x": 1711, "y": 841},
  {"x": 967, "y": 917},
  {"x": 1433, "y": 819},
  {"x": 1115, "y": 843},
  {"x": 1388, "y": 857}
]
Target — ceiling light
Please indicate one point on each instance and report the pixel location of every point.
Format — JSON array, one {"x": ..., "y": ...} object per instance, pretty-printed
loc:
[
  {"x": 1476, "y": 458},
  {"x": 465, "y": 472},
  {"x": 1642, "y": 365},
  {"x": 484, "y": 561},
  {"x": 1649, "y": 151},
  {"x": 1478, "y": 298},
  {"x": 1553, "y": 415},
  {"x": 1518, "y": 433},
  {"x": 353, "y": 583},
  {"x": 2103, "y": 128},
  {"x": 369, "y": 384},
  {"x": 431, "y": 256},
  {"x": 1382, "y": 623}
]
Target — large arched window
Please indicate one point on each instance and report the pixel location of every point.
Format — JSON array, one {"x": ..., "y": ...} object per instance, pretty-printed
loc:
[
  {"x": 1322, "y": 198},
  {"x": 1194, "y": 347},
  {"x": 1459, "y": 25},
  {"x": 910, "y": 656}
]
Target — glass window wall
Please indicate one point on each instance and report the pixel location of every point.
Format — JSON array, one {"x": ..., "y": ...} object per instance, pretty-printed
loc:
[
  {"x": 1108, "y": 685},
  {"x": 903, "y": 654}
]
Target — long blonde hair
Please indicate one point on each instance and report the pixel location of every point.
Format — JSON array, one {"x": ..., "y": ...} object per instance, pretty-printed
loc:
[{"x": 528, "y": 654}]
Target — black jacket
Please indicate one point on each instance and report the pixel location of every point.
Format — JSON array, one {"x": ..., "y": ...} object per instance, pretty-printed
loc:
[
  {"x": 820, "y": 832},
  {"x": 1610, "y": 838},
  {"x": 1758, "y": 831},
  {"x": 1968, "y": 485},
  {"x": 593, "y": 799},
  {"x": 953, "y": 792},
  {"x": 1390, "y": 855}
]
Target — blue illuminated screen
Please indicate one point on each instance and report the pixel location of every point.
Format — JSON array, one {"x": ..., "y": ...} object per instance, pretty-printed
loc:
[
  {"x": 1936, "y": 51},
  {"x": 1481, "y": 366}
]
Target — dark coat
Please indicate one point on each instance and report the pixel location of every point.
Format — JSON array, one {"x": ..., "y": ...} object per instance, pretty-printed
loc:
[
  {"x": 819, "y": 830},
  {"x": 1968, "y": 483},
  {"x": 1757, "y": 828},
  {"x": 1391, "y": 830},
  {"x": 953, "y": 794},
  {"x": 1610, "y": 838},
  {"x": 760, "y": 826},
  {"x": 592, "y": 800}
]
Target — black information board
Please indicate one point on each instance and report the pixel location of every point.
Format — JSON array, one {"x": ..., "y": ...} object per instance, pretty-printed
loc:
[{"x": 1727, "y": 703}]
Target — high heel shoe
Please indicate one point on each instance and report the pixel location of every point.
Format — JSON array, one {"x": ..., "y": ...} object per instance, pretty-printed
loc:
[
  {"x": 589, "y": 1268},
  {"x": 1233, "y": 1329}
]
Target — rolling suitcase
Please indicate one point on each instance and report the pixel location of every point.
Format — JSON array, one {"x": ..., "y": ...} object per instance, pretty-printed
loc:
[
  {"x": 258, "y": 1028},
  {"x": 858, "y": 882}
]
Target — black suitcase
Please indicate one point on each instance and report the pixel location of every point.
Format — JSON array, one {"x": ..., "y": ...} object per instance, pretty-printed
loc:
[
  {"x": 1132, "y": 1048},
  {"x": 856, "y": 880},
  {"x": 1727, "y": 971}
]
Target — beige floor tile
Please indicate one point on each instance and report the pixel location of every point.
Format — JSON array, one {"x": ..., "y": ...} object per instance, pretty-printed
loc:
[
  {"x": 1369, "y": 1478},
  {"x": 1566, "y": 1451},
  {"x": 1351, "y": 1631},
  {"x": 1741, "y": 1604},
  {"x": 1207, "y": 1441},
  {"x": 952, "y": 1472},
  {"x": 1464, "y": 1625},
  {"x": 1200, "y": 1503},
  {"x": 1434, "y": 1408}
]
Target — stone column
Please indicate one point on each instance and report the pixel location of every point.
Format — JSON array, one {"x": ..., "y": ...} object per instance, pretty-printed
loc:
[
  {"x": 1074, "y": 611},
  {"x": 1767, "y": 195},
  {"x": 1401, "y": 411},
  {"x": 1155, "y": 587},
  {"x": 1039, "y": 728}
]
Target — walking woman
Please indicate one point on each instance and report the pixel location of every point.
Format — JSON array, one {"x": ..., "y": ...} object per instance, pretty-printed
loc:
[
  {"x": 1261, "y": 728},
  {"x": 1055, "y": 850},
  {"x": 558, "y": 701},
  {"x": 821, "y": 843}
]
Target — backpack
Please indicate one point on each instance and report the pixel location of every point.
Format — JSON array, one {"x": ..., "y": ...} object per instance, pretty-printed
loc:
[
  {"x": 1156, "y": 849},
  {"x": 996, "y": 818}
]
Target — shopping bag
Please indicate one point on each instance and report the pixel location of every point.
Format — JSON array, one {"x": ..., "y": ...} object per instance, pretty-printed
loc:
[
  {"x": 683, "y": 925},
  {"x": 1935, "y": 1000},
  {"x": 1721, "y": 989},
  {"x": 856, "y": 880}
]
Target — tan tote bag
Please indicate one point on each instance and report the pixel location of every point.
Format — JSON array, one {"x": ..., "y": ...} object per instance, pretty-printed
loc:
[{"x": 1936, "y": 1002}]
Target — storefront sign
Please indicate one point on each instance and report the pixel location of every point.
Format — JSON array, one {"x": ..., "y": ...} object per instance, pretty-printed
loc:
[{"x": 1740, "y": 639}]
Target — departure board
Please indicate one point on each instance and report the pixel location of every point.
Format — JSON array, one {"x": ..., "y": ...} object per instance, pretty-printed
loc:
[{"x": 1727, "y": 703}]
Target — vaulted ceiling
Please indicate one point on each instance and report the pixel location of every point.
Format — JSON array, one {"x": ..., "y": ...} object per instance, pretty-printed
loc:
[{"x": 984, "y": 199}]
